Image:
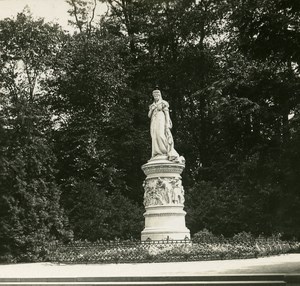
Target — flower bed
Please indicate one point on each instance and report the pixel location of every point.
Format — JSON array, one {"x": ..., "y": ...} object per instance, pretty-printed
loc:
[{"x": 166, "y": 251}]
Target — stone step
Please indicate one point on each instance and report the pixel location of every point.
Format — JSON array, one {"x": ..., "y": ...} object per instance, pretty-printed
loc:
[
  {"x": 209, "y": 280},
  {"x": 203, "y": 278},
  {"x": 157, "y": 283}
]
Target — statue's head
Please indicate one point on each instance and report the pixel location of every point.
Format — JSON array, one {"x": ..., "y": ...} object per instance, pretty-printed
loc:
[{"x": 156, "y": 95}]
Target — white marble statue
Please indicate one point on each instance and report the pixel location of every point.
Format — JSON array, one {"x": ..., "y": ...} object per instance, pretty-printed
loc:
[{"x": 160, "y": 129}]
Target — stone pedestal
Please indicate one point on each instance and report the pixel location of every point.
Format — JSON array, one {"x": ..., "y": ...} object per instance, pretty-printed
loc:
[{"x": 164, "y": 201}]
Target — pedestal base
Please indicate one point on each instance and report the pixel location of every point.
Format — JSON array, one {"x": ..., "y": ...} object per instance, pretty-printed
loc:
[{"x": 165, "y": 223}]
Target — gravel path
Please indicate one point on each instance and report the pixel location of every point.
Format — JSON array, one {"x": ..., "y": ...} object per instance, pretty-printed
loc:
[{"x": 282, "y": 264}]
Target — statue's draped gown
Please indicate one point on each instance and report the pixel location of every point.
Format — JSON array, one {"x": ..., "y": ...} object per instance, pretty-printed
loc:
[{"x": 162, "y": 140}]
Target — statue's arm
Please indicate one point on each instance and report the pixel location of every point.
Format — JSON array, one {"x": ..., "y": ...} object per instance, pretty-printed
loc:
[
  {"x": 151, "y": 108},
  {"x": 167, "y": 115}
]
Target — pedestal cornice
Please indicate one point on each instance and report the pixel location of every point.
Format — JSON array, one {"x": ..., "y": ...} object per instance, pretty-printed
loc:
[{"x": 162, "y": 167}]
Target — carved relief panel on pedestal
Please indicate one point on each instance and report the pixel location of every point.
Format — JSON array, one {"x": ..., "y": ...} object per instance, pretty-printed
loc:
[{"x": 163, "y": 191}]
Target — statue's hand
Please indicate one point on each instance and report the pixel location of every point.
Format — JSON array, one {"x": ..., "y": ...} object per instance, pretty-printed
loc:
[{"x": 152, "y": 107}]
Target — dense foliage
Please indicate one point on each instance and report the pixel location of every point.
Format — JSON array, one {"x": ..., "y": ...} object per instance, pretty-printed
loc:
[
  {"x": 74, "y": 130},
  {"x": 29, "y": 195}
]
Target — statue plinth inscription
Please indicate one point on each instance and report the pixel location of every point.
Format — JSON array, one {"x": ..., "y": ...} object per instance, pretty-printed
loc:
[{"x": 164, "y": 193}]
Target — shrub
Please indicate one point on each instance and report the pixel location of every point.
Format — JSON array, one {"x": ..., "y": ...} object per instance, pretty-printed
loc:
[
  {"x": 206, "y": 236},
  {"x": 243, "y": 237}
]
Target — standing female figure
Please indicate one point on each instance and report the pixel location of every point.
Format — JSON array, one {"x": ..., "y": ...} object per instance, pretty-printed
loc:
[{"x": 160, "y": 129}]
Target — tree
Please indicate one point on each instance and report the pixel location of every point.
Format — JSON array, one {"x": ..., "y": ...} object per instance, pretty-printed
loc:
[
  {"x": 29, "y": 196},
  {"x": 93, "y": 128},
  {"x": 268, "y": 33},
  {"x": 249, "y": 112}
]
